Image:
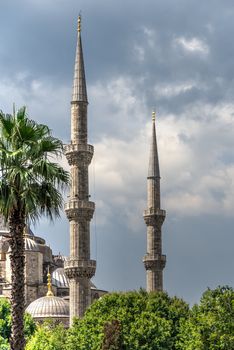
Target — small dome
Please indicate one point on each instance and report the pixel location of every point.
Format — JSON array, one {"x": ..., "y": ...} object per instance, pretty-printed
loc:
[
  {"x": 59, "y": 278},
  {"x": 4, "y": 245},
  {"x": 48, "y": 306},
  {"x": 30, "y": 244}
]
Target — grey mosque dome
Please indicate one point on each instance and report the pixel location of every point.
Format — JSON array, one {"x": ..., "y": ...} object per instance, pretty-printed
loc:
[
  {"x": 49, "y": 307},
  {"x": 30, "y": 244},
  {"x": 59, "y": 278}
]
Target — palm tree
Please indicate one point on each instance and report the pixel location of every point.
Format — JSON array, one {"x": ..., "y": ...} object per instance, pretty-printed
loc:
[{"x": 30, "y": 185}]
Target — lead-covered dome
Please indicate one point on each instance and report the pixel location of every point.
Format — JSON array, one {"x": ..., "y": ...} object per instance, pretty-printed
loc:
[
  {"x": 30, "y": 244},
  {"x": 59, "y": 278},
  {"x": 48, "y": 307}
]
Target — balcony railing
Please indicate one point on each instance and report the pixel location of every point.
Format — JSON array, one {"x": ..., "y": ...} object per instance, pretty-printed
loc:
[
  {"x": 77, "y": 204},
  {"x": 156, "y": 257},
  {"x": 154, "y": 211},
  {"x": 79, "y": 263},
  {"x": 78, "y": 148}
]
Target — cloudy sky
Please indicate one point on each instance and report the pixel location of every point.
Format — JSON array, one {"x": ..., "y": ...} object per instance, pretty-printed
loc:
[{"x": 173, "y": 55}]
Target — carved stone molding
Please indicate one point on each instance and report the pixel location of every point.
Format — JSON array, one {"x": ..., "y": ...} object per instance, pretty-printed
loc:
[
  {"x": 77, "y": 154},
  {"x": 80, "y": 268},
  {"x": 79, "y": 210},
  {"x": 154, "y": 263},
  {"x": 154, "y": 220}
]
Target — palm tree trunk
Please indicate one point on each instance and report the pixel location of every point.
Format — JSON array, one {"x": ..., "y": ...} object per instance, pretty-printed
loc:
[{"x": 17, "y": 259}]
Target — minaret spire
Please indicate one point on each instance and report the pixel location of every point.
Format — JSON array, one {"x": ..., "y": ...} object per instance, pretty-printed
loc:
[
  {"x": 79, "y": 83},
  {"x": 79, "y": 210},
  {"x": 154, "y": 216},
  {"x": 153, "y": 163}
]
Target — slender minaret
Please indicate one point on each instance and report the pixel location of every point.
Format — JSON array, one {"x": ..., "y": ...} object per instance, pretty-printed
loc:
[
  {"x": 79, "y": 210},
  {"x": 154, "y": 216}
]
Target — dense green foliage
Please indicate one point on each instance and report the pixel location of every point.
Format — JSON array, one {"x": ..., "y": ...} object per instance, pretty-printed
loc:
[
  {"x": 48, "y": 337},
  {"x": 148, "y": 321},
  {"x": 211, "y": 323},
  {"x": 141, "y": 321},
  {"x": 5, "y": 324}
]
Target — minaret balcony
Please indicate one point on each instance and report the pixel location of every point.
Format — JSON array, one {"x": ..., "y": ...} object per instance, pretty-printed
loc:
[
  {"x": 154, "y": 216},
  {"x": 78, "y": 153},
  {"x": 79, "y": 210},
  {"x": 154, "y": 211},
  {"x": 75, "y": 268},
  {"x": 156, "y": 262}
]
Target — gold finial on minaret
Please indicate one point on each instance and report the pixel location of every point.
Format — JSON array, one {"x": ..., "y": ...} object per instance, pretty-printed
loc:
[
  {"x": 49, "y": 285},
  {"x": 79, "y": 24},
  {"x": 153, "y": 116}
]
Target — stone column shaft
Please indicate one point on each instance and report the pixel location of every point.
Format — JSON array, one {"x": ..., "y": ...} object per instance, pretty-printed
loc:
[
  {"x": 80, "y": 240},
  {"x": 153, "y": 193},
  {"x": 154, "y": 280},
  {"x": 78, "y": 124},
  {"x": 154, "y": 241},
  {"x": 80, "y": 296}
]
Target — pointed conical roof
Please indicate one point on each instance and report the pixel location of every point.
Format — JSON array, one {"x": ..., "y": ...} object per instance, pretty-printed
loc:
[
  {"x": 153, "y": 160},
  {"x": 79, "y": 84}
]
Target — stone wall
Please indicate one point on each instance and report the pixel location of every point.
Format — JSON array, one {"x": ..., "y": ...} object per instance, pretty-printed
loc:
[{"x": 33, "y": 267}]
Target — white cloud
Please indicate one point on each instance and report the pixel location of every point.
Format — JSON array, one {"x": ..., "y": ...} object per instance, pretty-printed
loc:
[
  {"x": 172, "y": 90},
  {"x": 196, "y": 177},
  {"x": 193, "y": 45},
  {"x": 118, "y": 110}
]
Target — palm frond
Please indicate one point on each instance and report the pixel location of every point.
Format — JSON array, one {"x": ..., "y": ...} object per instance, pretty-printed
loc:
[{"x": 27, "y": 174}]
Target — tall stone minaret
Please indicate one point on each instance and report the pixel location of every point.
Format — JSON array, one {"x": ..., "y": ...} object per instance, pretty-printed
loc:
[
  {"x": 79, "y": 210},
  {"x": 154, "y": 216}
]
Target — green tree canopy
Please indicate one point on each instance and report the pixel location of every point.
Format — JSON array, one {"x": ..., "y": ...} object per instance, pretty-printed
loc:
[
  {"x": 48, "y": 337},
  {"x": 148, "y": 322},
  {"x": 141, "y": 321},
  {"x": 211, "y": 322},
  {"x": 5, "y": 324}
]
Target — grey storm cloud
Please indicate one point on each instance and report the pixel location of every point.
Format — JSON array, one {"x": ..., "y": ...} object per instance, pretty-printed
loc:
[{"x": 176, "y": 56}]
